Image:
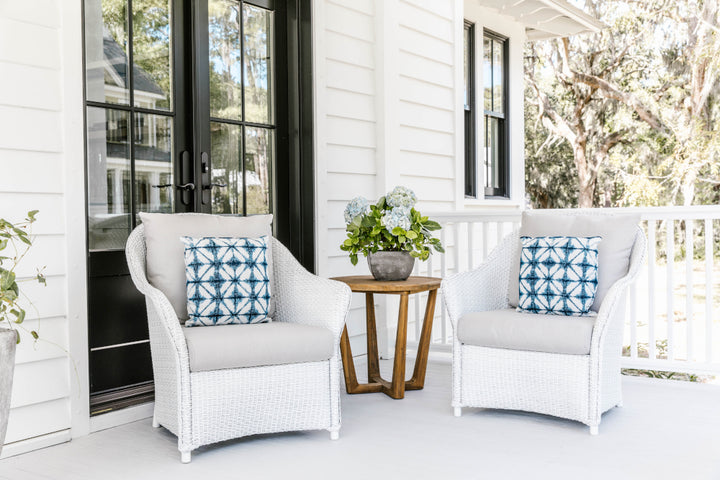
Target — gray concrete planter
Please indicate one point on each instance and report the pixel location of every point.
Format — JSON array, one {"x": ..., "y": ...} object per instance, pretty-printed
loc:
[
  {"x": 8, "y": 339},
  {"x": 387, "y": 266}
]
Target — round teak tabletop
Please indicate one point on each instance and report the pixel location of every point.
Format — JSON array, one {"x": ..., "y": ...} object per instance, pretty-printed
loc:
[{"x": 367, "y": 284}]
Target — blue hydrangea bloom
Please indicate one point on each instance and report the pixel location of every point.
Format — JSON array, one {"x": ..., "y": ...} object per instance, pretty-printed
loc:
[
  {"x": 397, "y": 217},
  {"x": 357, "y": 206},
  {"x": 401, "y": 197}
]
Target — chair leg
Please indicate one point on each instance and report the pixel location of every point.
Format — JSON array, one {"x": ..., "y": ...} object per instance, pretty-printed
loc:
[
  {"x": 155, "y": 423},
  {"x": 334, "y": 433},
  {"x": 457, "y": 411},
  {"x": 185, "y": 456},
  {"x": 594, "y": 429}
]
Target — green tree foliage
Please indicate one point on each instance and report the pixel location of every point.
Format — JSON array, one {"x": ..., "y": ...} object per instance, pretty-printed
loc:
[{"x": 628, "y": 116}]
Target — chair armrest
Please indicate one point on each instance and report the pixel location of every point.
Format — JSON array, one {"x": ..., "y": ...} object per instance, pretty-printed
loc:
[
  {"x": 135, "y": 254},
  {"x": 304, "y": 298},
  {"x": 482, "y": 289},
  {"x": 615, "y": 294}
]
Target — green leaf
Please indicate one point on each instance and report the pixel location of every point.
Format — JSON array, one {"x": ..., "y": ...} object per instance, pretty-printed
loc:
[
  {"x": 34, "y": 334},
  {"x": 7, "y": 279},
  {"x": 19, "y": 315},
  {"x": 398, "y": 231},
  {"x": 31, "y": 215},
  {"x": 24, "y": 239},
  {"x": 348, "y": 242},
  {"x": 401, "y": 239},
  {"x": 354, "y": 259},
  {"x": 411, "y": 234},
  {"x": 367, "y": 221},
  {"x": 432, "y": 225}
]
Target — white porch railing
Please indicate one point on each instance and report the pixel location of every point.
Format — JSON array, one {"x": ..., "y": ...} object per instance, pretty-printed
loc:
[{"x": 685, "y": 290}]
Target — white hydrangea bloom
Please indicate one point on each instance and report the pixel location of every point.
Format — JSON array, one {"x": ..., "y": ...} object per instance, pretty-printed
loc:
[
  {"x": 397, "y": 217},
  {"x": 401, "y": 197},
  {"x": 357, "y": 206}
]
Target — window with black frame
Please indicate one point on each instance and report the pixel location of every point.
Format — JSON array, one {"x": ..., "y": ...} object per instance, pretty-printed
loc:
[
  {"x": 469, "y": 110},
  {"x": 495, "y": 123}
]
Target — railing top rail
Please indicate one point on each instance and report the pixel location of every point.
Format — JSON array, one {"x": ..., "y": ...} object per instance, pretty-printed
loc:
[{"x": 695, "y": 212}]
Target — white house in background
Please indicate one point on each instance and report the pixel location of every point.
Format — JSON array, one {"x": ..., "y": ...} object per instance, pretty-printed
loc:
[{"x": 310, "y": 103}]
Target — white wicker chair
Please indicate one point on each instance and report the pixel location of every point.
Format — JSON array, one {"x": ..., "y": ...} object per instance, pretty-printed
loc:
[
  {"x": 577, "y": 387},
  {"x": 205, "y": 407}
]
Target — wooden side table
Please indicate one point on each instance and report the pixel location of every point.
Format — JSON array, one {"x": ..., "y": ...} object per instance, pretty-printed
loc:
[{"x": 396, "y": 388}]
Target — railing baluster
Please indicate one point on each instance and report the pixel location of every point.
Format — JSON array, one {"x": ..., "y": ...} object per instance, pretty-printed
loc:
[
  {"x": 443, "y": 274},
  {"x": 670, "y": 253},
  {"x": 632, "y": 306},
  {"x": 652, "y": 259},
  {"x": 485, "y": 235},
  {"x": 498, "y": 232},
  {"x": 471, "y": 245},
  {"x": 709, "y": 260},
  {"x": 689, "y": 320}
]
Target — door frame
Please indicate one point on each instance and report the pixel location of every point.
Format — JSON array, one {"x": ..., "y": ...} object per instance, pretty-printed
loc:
[{"x": 294, "y": 187}]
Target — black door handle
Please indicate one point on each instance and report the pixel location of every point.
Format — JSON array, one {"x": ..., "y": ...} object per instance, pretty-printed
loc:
[
  {"x": 219, "y": 185},
  {"x": 164, "y": 185},
  {"x": 186, "y": 187}
]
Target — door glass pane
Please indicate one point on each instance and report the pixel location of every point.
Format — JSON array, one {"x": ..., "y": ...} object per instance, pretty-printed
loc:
[
  {"x": 224, "y": 17},
  {"x": 154, "y": 187},
  {"x": 108, "y": 167},
  {"x": 106, "y": 60},
  {"x": 497, "y": 78},
  {"x": 466, "y": 66},
  {"x": 258, "y": 71},
  {"x": 225, "y": 151},
  {"x": 151, "y": 54},
  {"x": 259, "y": 156},
  {"x": 487, "y": 72}
]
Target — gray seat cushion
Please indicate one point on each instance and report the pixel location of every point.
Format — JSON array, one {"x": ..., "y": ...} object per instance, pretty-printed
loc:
[
  {"x": 618, "y": 233},
  {"x": 527, "y": 331},
  {"x": 237, "y": 346},
  {"x": 165, "y": 252}
]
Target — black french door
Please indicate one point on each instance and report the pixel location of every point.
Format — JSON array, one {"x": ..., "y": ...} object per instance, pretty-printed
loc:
[{"x": 191, "y": 106}]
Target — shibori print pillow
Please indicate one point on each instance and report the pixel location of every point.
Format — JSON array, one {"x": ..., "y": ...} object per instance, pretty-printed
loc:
[
  {"x": 558, "y": 275},
  {"x": 227, "y": 280}
]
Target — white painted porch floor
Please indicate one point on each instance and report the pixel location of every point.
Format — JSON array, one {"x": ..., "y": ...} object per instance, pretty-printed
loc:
[{"x": 667, "y": 430}]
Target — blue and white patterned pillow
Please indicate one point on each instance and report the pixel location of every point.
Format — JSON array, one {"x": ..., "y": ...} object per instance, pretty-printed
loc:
[
  {"x": 227, "y": 280},
  {"x": 558, "y": 275}
]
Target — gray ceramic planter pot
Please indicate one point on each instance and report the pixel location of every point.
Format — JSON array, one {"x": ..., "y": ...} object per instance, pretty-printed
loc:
[
  {"x": 387, "y": 266},
  {"x": 8, "y": 340}
]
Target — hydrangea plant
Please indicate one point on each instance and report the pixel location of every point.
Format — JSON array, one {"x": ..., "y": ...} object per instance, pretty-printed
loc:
[
  {"x": 391, "y": 224},
  {"x": 16, "y": 237}
]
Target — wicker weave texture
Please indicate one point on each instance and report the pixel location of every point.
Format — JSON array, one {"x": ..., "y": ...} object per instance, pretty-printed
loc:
[
  {"x": 579, "y": 387},
  {"x": 208, "y": 407}
]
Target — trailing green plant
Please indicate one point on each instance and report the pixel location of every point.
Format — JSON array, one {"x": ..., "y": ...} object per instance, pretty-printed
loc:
[
  {"x": 392, "y": 224},
  {"x": 16, "y": 237}
]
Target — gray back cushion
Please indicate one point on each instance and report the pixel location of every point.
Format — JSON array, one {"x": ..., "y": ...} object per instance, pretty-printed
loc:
[
  {"x": 618, "y": 236},
  {"x": 165, "y": 252}
]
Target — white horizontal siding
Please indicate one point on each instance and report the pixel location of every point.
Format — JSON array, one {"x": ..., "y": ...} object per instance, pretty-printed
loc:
[
  {"x": 29, "y": 86},
  {"x": 41, "y": 173},
  {"x": 55, "y": 382},
  {"x": 38, "y": 419},
  {"x": 27, "y": 43},
  {"x": 33, "y": 165}
]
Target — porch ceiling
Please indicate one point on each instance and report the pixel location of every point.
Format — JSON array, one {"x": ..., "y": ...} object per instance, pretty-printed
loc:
[{"x": 545, "y": 19}]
